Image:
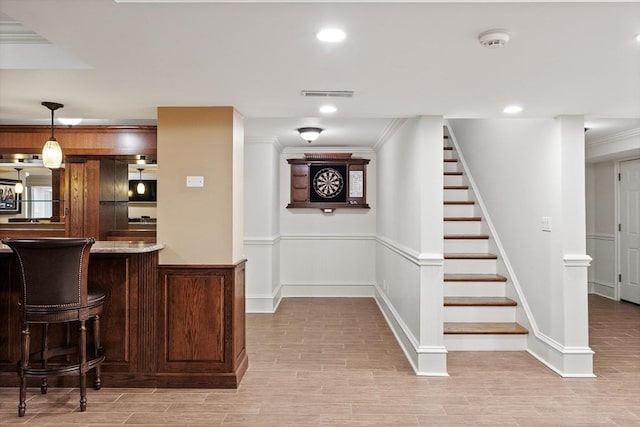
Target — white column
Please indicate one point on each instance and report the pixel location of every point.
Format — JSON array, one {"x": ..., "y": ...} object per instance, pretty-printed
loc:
[
  {"x": 432, "y": 359},
  {"x": 578, "y": 357}
]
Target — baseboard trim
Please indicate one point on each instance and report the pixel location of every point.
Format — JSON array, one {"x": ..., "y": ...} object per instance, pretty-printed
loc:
[
  {"x": 263, "y": 303},
  {"x": 428, "y": 361},
  {"x": 568, "y": 362}
]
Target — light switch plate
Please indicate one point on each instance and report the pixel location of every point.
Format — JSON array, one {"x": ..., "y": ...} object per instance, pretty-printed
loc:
[
  {"x": 195, "y": 181},
  {"x": 546, "y": 223}
]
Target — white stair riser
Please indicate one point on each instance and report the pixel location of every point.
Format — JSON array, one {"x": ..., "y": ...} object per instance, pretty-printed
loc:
[
  {"x": 471, "y": 246},
  {"x": 459, "y": 210},
  {"x": 454, "y": 180},
  {"x": 479, "y": 314},
  {"x": 474, "y": 289},
  {"x": 456, "y": 195},
  {"x": 449, "y": 154},
  {"x": 470, "y": 266},
  {"x": 451, "y": 166},
  {"x": 456, "y": 342},
  {"x": 462, "y": 227}
]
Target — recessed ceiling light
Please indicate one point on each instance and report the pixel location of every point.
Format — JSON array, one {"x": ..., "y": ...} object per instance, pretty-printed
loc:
[
  {"x": 331, "y": 35},
  {"x": 68, "y": 121},
  {"x": 512, "y": 109},
  {"x": 328, "y": 109},
  {"x": 638, "y": 38}
]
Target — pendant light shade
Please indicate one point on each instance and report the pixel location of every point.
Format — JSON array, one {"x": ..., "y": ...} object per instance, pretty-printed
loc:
[
  {"x": 19, "y": 188},
  {"x": 51, "y": 152},
  {"x": 140, "y": 188}
]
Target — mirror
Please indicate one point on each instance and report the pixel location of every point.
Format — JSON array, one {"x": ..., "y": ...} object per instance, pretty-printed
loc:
[
  {"x": 142, "y": 193},
  {"x": 35, "y": 203}
]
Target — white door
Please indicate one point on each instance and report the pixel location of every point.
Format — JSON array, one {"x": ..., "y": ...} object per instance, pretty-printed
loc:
[{"x": 630, "y": 230}]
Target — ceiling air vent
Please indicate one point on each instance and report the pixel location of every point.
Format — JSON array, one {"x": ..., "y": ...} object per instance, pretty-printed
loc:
[{"x": 332, "y": 93}]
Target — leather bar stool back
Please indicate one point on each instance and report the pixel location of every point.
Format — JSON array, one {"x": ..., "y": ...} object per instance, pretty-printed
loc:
[{"x": 53, "y": 276}]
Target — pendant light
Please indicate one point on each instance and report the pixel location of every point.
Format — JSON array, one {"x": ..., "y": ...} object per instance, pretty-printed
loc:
[
  {"x": 51, "y": 152},
  {"x": 140, "y": 188},
  {"x": 19, "y": 188}
]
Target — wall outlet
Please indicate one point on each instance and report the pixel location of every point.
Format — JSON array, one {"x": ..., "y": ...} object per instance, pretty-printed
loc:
[{"x": 546, "y": 223}]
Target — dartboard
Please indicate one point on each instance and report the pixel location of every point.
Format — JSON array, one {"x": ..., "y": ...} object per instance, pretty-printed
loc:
[{"x": 328, "y": 183}]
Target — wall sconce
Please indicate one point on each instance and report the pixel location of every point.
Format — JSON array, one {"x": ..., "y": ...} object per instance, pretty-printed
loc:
[
  {"x": 140, "y": 188},
  {"x": 51, "y": 152},
  {"x": 19, "y": 188},
  {"x": 310, "y": 134}
]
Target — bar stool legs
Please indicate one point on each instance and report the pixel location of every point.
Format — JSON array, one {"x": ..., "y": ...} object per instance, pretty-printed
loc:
[
  {"x": 24, "y": 362},
  {"x": 97, "y": 384},
  {"x": 44, "y": 355}
]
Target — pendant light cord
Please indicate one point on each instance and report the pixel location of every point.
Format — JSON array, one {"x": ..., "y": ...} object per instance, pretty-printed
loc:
[{"x": 52, "y": 136}]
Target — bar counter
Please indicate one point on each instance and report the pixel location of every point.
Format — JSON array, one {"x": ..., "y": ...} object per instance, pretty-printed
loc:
[{"x": 162, "y": 326}]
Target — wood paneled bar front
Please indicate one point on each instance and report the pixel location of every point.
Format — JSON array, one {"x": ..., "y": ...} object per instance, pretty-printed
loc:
[{"x": 163, "y": 326}]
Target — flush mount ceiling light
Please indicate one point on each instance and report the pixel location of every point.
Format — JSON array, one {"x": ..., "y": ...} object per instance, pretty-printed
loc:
[
  {"x": 309, "y": 134},
  {"x": 638, "y": 38},
  {"x": 331, "y": 35},
  {"x": 512, "y": 109},
  {"x": 493, "y": 39},
  {"x": 19, "y": 188},
  {"x": 69, "y": 122},
  {"x": 140, "y": 188},
  {"x": 328, "y": 109},
  {"x": 51, "y": 152}
]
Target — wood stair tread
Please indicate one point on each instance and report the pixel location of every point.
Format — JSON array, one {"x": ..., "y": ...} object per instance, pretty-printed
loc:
[
  {"x": 466, "y": 236},
  {"x": 462, "y": 218},
  {"x": 479, "y": 302},
  {"x": 469, "y": 256},
  {"x": 474, "y": 278},
  {"x": 485, "y": 328},
  {"x": 453, "y": 173},
  {"x": 459, "y": 202},
  {"x": 448, "y": 148},
  {"x": 456, "y": 187},
  {"x": 450, "y": 160}
]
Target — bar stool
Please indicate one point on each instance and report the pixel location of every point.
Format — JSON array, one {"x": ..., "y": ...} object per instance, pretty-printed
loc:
[{"x": 53, "y": 278}]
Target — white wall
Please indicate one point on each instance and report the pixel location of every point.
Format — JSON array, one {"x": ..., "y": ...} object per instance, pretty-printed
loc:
[
  {"x": 261, "y": 226},
  {"x": 327, "y": 254},
  {"x": 303, "y": 252},
  {"x": 514, "y": 164},
  {"x": 524, "y": 170},
  {"x": 409, "y": 241},
  {"x": 600, "y": 192}
]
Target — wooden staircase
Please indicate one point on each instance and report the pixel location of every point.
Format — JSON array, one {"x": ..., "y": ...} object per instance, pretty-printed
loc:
[{"x": 478, "y": 315}]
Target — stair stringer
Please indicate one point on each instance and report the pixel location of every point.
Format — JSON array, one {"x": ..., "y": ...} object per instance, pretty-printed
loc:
[{"x": 544, "y": 348}]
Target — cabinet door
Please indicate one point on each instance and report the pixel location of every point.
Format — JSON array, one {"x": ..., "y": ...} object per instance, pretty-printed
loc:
[{"x": 299, "y": 183}]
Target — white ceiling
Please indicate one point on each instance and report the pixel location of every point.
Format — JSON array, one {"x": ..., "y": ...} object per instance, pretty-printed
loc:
[{"x": 114, "y": 62}]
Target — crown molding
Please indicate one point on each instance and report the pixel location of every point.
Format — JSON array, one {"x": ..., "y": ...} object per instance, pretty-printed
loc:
[{"x": 619, "y": 136}]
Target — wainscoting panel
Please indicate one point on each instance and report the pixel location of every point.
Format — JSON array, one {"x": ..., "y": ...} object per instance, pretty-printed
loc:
[
  {"x": 602, "y": 272},
  {"x": 263, "y": 274},
  {"x": 326, "y": 265}
]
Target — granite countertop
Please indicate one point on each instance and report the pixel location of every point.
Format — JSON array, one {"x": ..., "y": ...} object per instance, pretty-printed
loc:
[{"x": 118, "y": 247}]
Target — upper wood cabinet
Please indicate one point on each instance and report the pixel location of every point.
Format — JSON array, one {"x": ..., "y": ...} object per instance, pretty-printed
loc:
[{"x": 328, "y": 181}]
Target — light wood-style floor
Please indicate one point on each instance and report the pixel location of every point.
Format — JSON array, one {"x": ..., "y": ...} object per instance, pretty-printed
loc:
[{"x": 327, "y": 361}]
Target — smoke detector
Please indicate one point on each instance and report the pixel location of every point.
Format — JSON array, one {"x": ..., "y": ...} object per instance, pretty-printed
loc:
[{"x": 493, "y": 39}]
